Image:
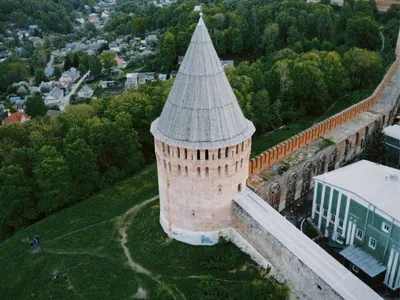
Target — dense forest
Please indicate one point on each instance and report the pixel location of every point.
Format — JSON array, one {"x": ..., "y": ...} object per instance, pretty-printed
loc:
[
  {"x": 50, "y": 15},
  {"x": 298, "y": 58},
  {"x": 52, "y": 162}
]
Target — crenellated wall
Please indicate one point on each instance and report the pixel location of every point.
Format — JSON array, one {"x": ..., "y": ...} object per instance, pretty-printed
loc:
[{"x": 289, "y": 146}]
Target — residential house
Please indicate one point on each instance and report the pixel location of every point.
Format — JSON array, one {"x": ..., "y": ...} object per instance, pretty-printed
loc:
[
  {"x": 392, "y": 141},
  {"x": 32, "y": 28},
  {"x": 18, "y": 117},
  {"x": 94, "y": 18},
  {"x": 49, "y": 71},
  {"x": 105, "y": 84},
  {"x": 121, "y": 64},
  {"x": 134, "y": 80},
  {"x": 358, "y": 207},
  {"x": 54, "y": 97},
  {"x": 85, "y": 92},
  {"x": 162, "y": 76},
  {"x": 69, "y": 77},
  {"x": 52, "y": 112}
]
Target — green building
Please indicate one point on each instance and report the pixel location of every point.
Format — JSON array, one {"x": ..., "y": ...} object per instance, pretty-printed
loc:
[
  {"x": 392, "y": 141},
  {"x": 358, "y": 206}
]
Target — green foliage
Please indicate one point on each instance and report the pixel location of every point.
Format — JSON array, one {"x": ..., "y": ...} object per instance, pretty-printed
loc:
[
  {"x": 11, "y": 72},
  {"x": 363, "y": 32},
  {"x": 95, "y": 66},
  {"x": 108, "y": 60},
  {"x": 35, "y": 106},
  {"x": 375, "y": 147},
  {"x": 40, "y": 76},
  {"x": 364, "y": 67},
  {"x": 167, "y": 52}
]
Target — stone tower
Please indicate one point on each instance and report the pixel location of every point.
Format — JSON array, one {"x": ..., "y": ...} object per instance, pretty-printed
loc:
[{"x": 202, "y": 145}]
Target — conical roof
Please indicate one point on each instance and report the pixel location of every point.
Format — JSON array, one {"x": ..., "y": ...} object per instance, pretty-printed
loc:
[{"x": 201, "y": 111}]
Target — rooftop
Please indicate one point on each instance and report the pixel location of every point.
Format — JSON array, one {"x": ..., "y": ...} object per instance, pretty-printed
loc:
[
  {"x": 201, "y": 111},
  {"x": 377, "y": 184},
  {"x": 393, "y": 131},
  {"x": 312, "y": 255}
]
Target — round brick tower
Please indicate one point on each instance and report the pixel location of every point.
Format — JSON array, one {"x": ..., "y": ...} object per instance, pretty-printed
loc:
[{"x": 202, "y": 145}]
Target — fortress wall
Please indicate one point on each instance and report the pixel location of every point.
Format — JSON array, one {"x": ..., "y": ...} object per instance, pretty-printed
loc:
[{"x": 287, "y": 147}]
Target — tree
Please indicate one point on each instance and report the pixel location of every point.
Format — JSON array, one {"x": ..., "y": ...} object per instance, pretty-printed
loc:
[
  {"x": 75, "y": 61},
  {"x": 40, "y": 76},
  {"x": 364, "y": 67},
  {"x": 363, "y": 32},
  {"x": 16, "y": 204},
  {"x": 22, "y": 91},
  {"x": 95, "y": 66},
  {"x": 167, "y": 52},
  {"x": 54, "y": 180},
  {"x": 108, "y": 60},
  {"x": 35, "y": 106},
  {"x": 82, "y": 166},
  {"x": 57, "y": 72},
  {"x": 374, "y": 147},
  {"x": 67, "y": 63},
  {"x": 12, "y": 72}
]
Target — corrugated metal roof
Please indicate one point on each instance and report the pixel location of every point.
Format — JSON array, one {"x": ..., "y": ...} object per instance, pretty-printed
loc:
[
  {"x": 363, "y": 260},
  {"x": 201, "y": 111}
]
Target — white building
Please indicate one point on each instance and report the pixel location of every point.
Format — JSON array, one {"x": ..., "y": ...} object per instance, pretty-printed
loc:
[
  {"x": 69, "y": 77},
  {"x": 54, "y": 97}
]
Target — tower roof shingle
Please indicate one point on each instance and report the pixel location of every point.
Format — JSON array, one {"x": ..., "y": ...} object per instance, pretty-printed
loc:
[{"x": 201, "y": 111}]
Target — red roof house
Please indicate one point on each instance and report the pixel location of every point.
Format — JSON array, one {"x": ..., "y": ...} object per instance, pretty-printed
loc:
[{"x": 18, "y": 117}]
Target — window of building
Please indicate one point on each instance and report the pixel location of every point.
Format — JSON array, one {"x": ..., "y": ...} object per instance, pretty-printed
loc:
[
  {"x": 325, "y": 213},
  {"x": 340, "y": 223},
  {"x": 317, "y": 208},
  {"x": 236, "y": 166},
  {"x": 239, "y": 187},
  {"x": 219, "y": 170},
  {"x": 385, "y": 227},
  {"x": 359, "y": 234},
  {"x": 168, "y": 150},
  {"x": 179, "y": 152},
  {"x": 339, "y": 238},
  {"x": 355, "y": 269},
  {"x": 206, "y": 171},
  {"x": 226, "y": 152},
  {"x": 226, "y": 169},
  {"x": 372, "y": 243},
  {"x": 185, "y": 153},
  {"x": 333, "y": 218},
  {"x": 237, "y": 149},
  {"x": 206, "y": 154},
  {"x": 198, "y": 154},
  {"x": 198, "y": 171},
  {"x": 186, "y": 171},
  {"x": 219, "y": 153},
  {"x": 242, "y": 146},
  {"x": 179, "y": 169}
]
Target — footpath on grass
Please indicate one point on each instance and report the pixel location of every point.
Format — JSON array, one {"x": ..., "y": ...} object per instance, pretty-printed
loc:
[{"x": 112, "y": 246}]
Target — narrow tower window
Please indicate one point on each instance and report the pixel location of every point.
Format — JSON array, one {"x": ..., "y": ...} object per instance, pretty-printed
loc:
[
  {"x": 186, "y": 171},
  {"x": 236, "y": 166},
  {"x": 219, "y": 171},
  {"x": 237, "y": 149},
  {"x": 239, "y": 187},
  {"x": 198, "y": 171},
  {"x": 219, "y": 153},
  {"x": 198, "y": 154},
  {"x": 185, "y": 153},
  {"x": 206, "y": 154},
  {"x": 242, "y": 146},
  {"x": 179, "y": 152},
  {"x": 169, "y": 166},
  {"x": 226, "y": 152},
  {"x": 206, "y": 172},
  {"x": 179, "y": 169},
  {"x": 241, "y": 163},
  {"x": 226, "y": 169},
  {"x": 168, "y": 149},
  {"x": 163, "y": 147}
]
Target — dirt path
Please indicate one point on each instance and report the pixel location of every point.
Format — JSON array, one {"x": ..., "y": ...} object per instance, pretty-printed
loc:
[{"x": 122, "y": 224}]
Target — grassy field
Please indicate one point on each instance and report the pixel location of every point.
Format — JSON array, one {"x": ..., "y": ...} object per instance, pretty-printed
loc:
[{"x": 112, "y": 244}]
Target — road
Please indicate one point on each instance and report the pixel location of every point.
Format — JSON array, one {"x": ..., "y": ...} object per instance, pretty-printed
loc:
[
  {"x": 65, "y": 100},
  {"x": 51, "y": 61}
]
